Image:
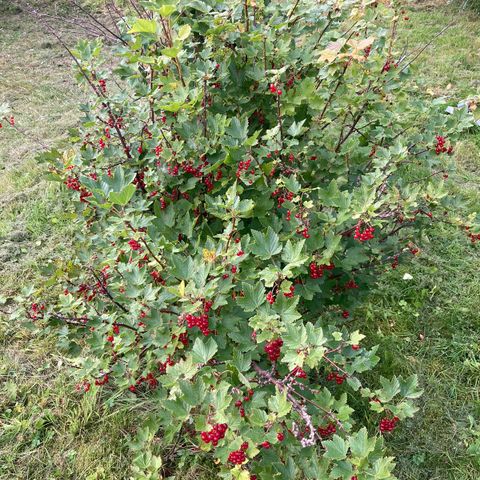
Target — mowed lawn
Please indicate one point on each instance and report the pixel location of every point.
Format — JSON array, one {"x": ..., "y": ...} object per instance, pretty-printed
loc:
[{"x": 429, "y": 325}]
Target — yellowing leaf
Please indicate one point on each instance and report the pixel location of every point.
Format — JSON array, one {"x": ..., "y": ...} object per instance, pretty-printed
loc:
[
  {"x": 360, "y": 44},
  {"x": 331, "y": 52},
  {"x": 184, "y": 32},
  {"x": 166, "y": 10},
  {"x": 144, "y": 26},
  {"x": 181, "y": 289},
  {"x": 209, "y": 255},
  {"x": 358, "y": 47}
]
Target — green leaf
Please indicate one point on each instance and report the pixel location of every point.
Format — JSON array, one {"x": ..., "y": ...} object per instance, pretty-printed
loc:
[
  {"x": 336, "y": 449},
  {"x": 204, "y": 351},
  {"x": 390, "y": 388},
  {"x": 382, "y": 469},
  {"x": 254, "y": 296},
  {"x": 238, "y": 129},
  {"x": 279, "y": 403},
  {"x": 287, "y": 308},
  {"x": 184, "y": 32},
  {"x": 360, "y": 444},
  {"x": 171, "y": 52},
  {"x": 295, "y": 128},
  {"x": 332, "y": 243},
  {"x": 292, "y": 254},
  {"x": 343, "y": 470},
  {"x": 167, "y": 10},
  {"x": 193, "y": 393},
  {"x": 292, "y": 184},
  {"x": 123, "y": 197},
  {"x": 409, "y": 387},
  {"x": 144, "y": 26},
  {"x": 265, "y": 246}
]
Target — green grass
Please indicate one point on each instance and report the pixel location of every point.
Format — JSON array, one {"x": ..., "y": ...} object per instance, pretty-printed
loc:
[
  {"x": 47, "y": 430},
  {"x": 428, "y": 325}
]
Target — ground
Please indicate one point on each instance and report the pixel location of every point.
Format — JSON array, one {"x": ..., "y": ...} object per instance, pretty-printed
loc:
[{"x": 427, "y": 325}]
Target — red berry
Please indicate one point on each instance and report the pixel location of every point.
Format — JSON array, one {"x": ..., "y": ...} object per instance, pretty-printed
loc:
[{"x": 237, "y": 457}]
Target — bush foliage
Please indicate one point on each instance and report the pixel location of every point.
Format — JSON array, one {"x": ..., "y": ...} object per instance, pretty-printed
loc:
[{"x": 243, "y": 173}]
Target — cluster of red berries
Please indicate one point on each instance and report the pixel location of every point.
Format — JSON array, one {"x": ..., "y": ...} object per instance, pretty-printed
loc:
[
  {"x": 316, "y": 270},
  {"x": 386, "y": 67},
  {"x": 215, "y": 434},
  {"x": 474, "y": 237},
  {"x": 85, "y": 386},
  {"x": 395, "y": 262},
  {"x": 157, "y": 278},
  {"x": 139, "y": 180},
  {"x": 11, "y": 120},
  {"x": 282, "y": 196},
  {"x": 72, "y": 183},
  {"x": 101, "y": 381},
  {"x": 327, "y": 431},
  {"x": 272, "y": 349},
  {"x": 239, "y": 403},
  {"x": 103, "y": 85},
  {"x": 237, "y": 457},
  {"x": 367, "y": 233},
  {"x": 149, "y": 379},
  {"x": 162, "y": 366},
  {"x": 196, "y": 171},
  {"x": 440, "y": 146},
  {"x": 345, "y": 314},
  {"x": 101, "y": 143},
  {"x": 351, "y": 284},
  {"x": 115, "y": 122},
  {"x": 334, "y": 376},
  {"x": 387, "y": 424},
  {"x": 266, "y": 445},
  {"x": 290, "y": 293},
  {"x": 303, "y": 232},
  {"x": 200, "y": 321},
  {"x": 271, "y": 297},
  {"x": 244, "y": 166},
  {"x": 182, "y": 338},
  {"x": 275, "y": 90},
  {"x": 134, "y": 245},
  {"x": 35, "y": 310},
  {"x": 299, "y": 372}
]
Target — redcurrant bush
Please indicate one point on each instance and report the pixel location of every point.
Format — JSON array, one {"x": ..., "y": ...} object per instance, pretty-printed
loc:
[{"x": 242, "y": 174}]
